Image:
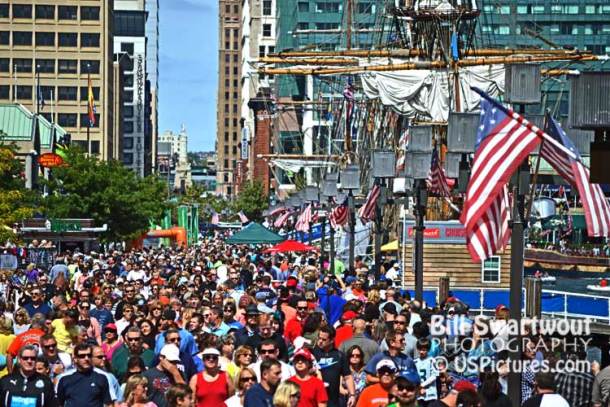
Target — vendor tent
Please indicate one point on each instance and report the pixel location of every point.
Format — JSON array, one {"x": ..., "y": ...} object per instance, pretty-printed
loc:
[
  {"x": 254, "y": 233},
  {"x": 390, "y": 247},
  {"x": 289, "y": 246}
]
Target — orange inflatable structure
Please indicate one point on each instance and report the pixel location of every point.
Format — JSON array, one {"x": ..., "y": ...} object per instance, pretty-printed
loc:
[{"x": 176, "y": 233}]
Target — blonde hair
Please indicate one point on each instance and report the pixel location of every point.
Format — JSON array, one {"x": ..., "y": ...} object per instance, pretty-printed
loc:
[
  {"x": 6, "y": 325},
  {"x": 374, "y": 296},
  {"x": 132, "y": 383},
  {"x": 283, "y": 393},
  {"x": 237, "y": 381}
]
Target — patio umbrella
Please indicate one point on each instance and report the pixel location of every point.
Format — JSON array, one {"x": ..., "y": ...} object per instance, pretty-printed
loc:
[{"x": 290, "y": 246}]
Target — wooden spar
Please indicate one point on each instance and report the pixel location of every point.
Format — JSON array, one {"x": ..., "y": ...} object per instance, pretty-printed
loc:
[
  {"x": 405, "y": 53},
  {"x": 299, "y": 157},
  {"x": 308, "y": 61},
  {"x": 349, "y": 25},
  {"x": 426, "y": 65}
]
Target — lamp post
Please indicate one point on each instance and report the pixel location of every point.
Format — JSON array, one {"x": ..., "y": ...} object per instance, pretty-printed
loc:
[
  {"x": 383, "y": 166},
  {"x": 350, "y": 181},
  {"x": 329, "y": 190}
]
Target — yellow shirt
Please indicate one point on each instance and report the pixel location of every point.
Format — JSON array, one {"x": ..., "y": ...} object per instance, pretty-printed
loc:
[
  {"x": 63, "y": 336},
  {"x": 5, "y": 341}
]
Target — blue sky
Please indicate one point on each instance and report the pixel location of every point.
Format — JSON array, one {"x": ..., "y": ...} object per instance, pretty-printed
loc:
[{"x": 188, "y": 69}]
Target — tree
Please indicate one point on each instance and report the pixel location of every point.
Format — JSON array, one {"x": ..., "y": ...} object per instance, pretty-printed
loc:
[
  {"x": 16, "y": 202},
  {"x": 252, "y": 200},
  {"x": 107, "y": 192}
]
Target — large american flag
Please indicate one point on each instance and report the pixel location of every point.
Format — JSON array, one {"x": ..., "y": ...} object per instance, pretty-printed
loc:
[
  {"x": 504, "y": 140},
  {"x": 281, "y": 220},
  {"x": 338, "y": 216},
  {"x": 367, "y": 211},
  {"x": 437, "y": 182},
  {"x": 242, "y": 217},
  {"x": 595, "y": 204},
  {"x": 304, "y": 220}
]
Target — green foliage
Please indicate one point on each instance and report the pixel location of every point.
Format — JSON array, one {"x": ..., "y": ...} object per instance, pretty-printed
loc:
[
  {"x": 252, "y": 199},
  {"x": 207, "y": 201},
  {"x": 107, "y": 192},
  {"x": 16, "y": 203}
]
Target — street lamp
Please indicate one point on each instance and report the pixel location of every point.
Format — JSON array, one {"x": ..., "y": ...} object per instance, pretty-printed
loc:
[
  {"x": 384, "y": 166},
  {"x": 350, "y": 181},
  {"x": 329, "y": 191}
]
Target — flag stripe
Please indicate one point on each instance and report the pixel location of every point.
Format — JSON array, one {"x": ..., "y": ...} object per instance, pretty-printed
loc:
[
  {"x": 367, "y": 211},
  {"x": 437, "y": 182}
]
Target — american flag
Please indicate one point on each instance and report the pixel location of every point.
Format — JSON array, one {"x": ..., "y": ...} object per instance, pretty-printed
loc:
[
  {"x": 281, "y": 220},
  {"x": 215, "y": 218},
  {"x": 242, "y": 217},
  {"x": 437, "y": 182},
  {"x": 504, "y": 140},
  {"x": 595, "y": 204},
  {"x": 338, "y": 216},
  {"x": 367, "y": 211},
  {"x": 277, "y": 211},
  {"x": 302, "y": 224},
  {"x": 403, "y": 144}
]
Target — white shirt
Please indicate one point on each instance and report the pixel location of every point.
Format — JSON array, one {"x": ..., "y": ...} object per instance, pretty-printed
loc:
[{"x": 287, "y": 370}]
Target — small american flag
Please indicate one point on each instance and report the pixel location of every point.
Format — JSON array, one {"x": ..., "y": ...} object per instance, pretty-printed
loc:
[
  {"x": 437, "y": 182},
  {"x": 304, "y": 220},
  {"x": 403, "y": 144},
  {"x": 281, "y": 220},
  {"x": 338, "y": 216},
  {"x": 242, "y": 217},
  {"x": 367, "y": 211}
]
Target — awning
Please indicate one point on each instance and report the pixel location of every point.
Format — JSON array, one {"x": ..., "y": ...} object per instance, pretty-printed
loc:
[
  {"x": 390, "y": 247},
  {"x": 290, "y": 246},
  {"x": 255, "y": 233}
]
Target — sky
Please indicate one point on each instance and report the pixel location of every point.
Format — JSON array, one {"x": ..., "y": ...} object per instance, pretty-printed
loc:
[{"x": 188, "y": 69}]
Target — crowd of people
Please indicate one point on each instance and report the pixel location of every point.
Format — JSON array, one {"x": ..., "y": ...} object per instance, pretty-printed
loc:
[{"x": 224, "y": 325}]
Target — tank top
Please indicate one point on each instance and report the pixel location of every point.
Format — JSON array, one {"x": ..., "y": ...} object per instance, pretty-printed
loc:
[{"x": 212, "y": 394}]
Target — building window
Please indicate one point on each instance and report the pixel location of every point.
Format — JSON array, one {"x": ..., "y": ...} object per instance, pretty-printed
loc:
[
  {"x": 67, "y": 66},
  {"x": 227, "y": 58},
  {"x": 270, "y": 49},
  {"x": 45, "y": 65},
  {"x": 234, "y": 136},
  {"x": 227, "y": 34},
  {"x": 22, "y": 38},
  {"x": 4, "y": 92},
  {"x": 235, "y": 121},
  {"x": 66, "y": 92},
  {"x": 234, "y": 150},
  {"x": 22, "y": 11},
  {"x": 235, "y": 45},
  {"x": 128, "y": 127},
  {"x": 235, "y": 58},
  {"x": 502, "y": 30},
  {"x": 4, "y": 65},
  {"x": 261, "y": 51},
  {"x": 226, "y": 137},
  {"x": 226, "y": 108},
  {"x": 266, "y": 30},
  {"x": 556, "y": 9},
  {"x": 128, "y": 81},
  {"x": 24, "y": 92},
  {"x": 226, "y": 122},
  {"x": 128, "y": 143},
  {"x": 128, "y": 96},
  {"x": 504, "y": 9},
  {"x": 521, "y": 9},
  {"x": 266, "y": 7},
  {"x": 490, "y": 270},
  {"x": 303, "y": 7},
  {"x": 68, "y": 39},
  {"x": 326, "y": 7},
  {"x": 90, "y": 13},
  {"x": 589, "y": 9},
  {"x": 67, "y": 12},
  {"x": 227, "y": 83},
  {"x": 538, "y": 10},
  {"x": 129, "y": 23},
  {"x": 84, "y": 92},
  {"x": 45, "y": 39},
  {"x": 90, "y": 40},
  {"x": 228, "y": 8},
  {"x": 127, "y": 158},
  {"x": 226, "y": 95},
  {"x": 588, "y": 29},
  {"x": 128, "y": 112},
  {"x": 604, "y": 9},
  {"x": 229, "y": 191},
  {"x": 5, "y": 37},
  {"x": 23, "y": 64},
  {"x": 89, "y": 66},
  {"x": 84, "y": 120},
  {"x": 235, "y": 70},
  {"x": 226, "y": 166},
  {"x": 227, "y": 70},
  {"x": 303, "y": 26},
  {"x": 95, "y": 147},
  {"x": 127, "y": 47},
  {"x": 236, "y": 8},
  {"x": 45, "y": 12},
  {"x": 571, "y": 9},
  {"x": 48, "y": 93},
  {"x": 66, "y": 119},
  {"x": 3, "y": 10}
]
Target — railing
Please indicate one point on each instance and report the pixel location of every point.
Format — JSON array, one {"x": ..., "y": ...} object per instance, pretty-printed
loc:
[{"x": 555, "y": 303}]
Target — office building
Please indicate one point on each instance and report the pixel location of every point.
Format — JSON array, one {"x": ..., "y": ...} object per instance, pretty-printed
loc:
[
  {"x": 63, "y": 42},
  {"x": 173, "y": 158},
  {"x": 229, "y": 96},
  {"x": 130, "y": 51},
  {"x": 152, "y": 73}
]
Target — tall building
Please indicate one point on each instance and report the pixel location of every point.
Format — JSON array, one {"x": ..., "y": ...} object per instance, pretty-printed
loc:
[
  {"x": 152, "y": 72},
  {"x": 582, "y": 24},
  {"x": 228, "y": 125},
  {"x": 175, "y": 158},
  {"x": 130, "y": 49},
  {"x": 64, "y": 43}
]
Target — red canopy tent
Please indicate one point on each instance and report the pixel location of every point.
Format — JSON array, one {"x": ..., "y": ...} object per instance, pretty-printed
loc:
[{"x": 290, "y": 246}]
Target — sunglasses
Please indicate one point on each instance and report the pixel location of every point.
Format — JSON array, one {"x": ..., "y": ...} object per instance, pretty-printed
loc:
[
  {"x": 29, "y": 358},
  {"x": 244, "y": 379},
  {"x": 210, "y": 357},
  {"x": 267, "y": 351},
  {"x": 405, "y": 388},
  {"x": 84, "y": 356},
  {"x": 384, "y": 372},
  {"x": 133, "y": 339},
  {"x": 356, "y": 355},
  {"x": 50, "y": 346},
  {"x": 301, "y": 308}
]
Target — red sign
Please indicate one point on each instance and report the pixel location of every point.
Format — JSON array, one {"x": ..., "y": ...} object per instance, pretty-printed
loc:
[
  {"x": 429, "y": 233},
  {"x": 50, "y": 160}
]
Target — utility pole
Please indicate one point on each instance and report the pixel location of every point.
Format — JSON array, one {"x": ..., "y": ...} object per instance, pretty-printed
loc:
[{"x": 349, "y": 24}]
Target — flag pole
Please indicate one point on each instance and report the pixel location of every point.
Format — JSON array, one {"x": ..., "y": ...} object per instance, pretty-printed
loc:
[
  {"x": 88, "y": 107},
  {"x": 535, "y": 177}
]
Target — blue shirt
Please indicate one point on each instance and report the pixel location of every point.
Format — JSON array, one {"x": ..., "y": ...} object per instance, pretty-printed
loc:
[
  {"x": 257, "y": 396},
  {"x": 83, "y": 389},
  {"x": 403, "y": 363},
  {"x": 187, "y": 343},
  {"x": 42, "y": 309}
]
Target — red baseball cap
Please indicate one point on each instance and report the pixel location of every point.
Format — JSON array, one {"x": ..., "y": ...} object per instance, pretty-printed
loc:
[
  {"x": 110, "y": 326},
  {"x": 291, "y": 282},
  {"x": 500, "y": 307},
  {"x": 464, "y": 385},
  {"x": 304, "y": 353},
  {"x": 348, "y": 315}
]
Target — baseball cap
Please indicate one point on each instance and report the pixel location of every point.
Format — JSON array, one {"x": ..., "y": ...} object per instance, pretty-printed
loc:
[
  {"x": 385, "y": 364},
  {"x": 348, "y": 315},
  {"x": 304, "y": 353},
  {"x": 500, "y": 307},
  {"x": 170, "y": 352},
  {"x": 291, "y": 282},
  {"x": 464, "y": 385},
  {"x": 169, "y": 314},
  {"x": 410, "y": 376},
  {"x": 111, "y": 326},
  {"x": 252, "y": 309}
]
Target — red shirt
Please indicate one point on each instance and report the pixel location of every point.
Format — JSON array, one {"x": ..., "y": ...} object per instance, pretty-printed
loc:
[
  {"x": 294, "y": 329},
  {"x": 29, "y": 337},
  {"x": 343, "y": 333},
  {"x": 312, "y": 391}
]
